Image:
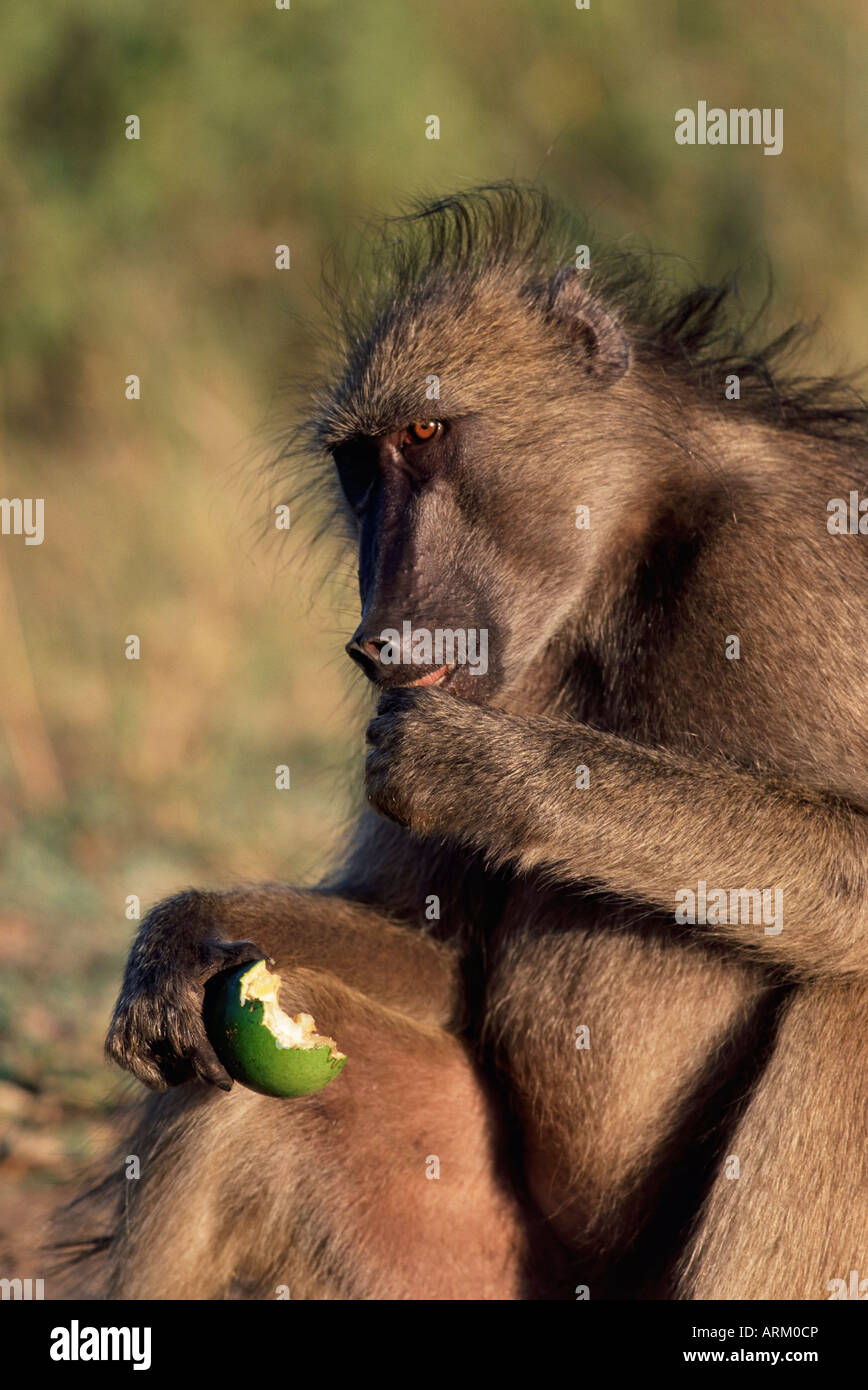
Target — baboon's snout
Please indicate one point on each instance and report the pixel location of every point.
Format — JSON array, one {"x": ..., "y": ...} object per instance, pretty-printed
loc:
[{"x": 387, "y": 662}]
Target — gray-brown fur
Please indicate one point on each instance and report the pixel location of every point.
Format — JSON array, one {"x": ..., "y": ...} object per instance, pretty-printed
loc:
[{"x": 559, "y": 1167}]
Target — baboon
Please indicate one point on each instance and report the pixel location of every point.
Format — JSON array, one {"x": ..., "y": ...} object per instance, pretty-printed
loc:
[{"x": 623, "y": 1097}]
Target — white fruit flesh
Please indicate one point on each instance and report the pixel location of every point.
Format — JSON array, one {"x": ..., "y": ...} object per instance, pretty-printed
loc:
[{"x": 298, "y": 1032}]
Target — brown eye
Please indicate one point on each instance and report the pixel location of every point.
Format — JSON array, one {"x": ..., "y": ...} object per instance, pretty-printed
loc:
[{"x": 423, "y": 431}]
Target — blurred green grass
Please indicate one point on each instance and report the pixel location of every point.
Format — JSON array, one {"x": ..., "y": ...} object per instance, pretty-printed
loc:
[{"x": 156, "y": 257}]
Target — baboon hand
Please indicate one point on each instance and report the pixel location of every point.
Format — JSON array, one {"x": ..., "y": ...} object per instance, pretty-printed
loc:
[
  {"x": 157, "y": 1031},
  {"x": 433, "y": 759}
]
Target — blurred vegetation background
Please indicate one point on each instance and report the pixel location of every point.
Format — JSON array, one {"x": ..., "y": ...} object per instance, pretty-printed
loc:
[{"x": 156, "y": 257}]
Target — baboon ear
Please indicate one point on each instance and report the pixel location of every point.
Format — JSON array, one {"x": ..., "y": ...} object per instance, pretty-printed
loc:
[{"x": 603, "y": 343}]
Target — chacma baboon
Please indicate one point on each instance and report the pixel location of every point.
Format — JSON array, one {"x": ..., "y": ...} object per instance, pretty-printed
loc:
[{"x": 634, "y": 506}]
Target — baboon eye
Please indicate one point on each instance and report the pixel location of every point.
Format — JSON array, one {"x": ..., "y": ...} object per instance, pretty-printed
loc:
[{"x": 423, "y": 431}]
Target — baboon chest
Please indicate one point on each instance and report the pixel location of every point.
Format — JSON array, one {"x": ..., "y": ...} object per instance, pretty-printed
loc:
[{"x": 611, "y": 1035}]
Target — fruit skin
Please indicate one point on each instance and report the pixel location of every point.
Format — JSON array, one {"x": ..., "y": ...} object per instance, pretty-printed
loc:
[{"x": 249, "y": 1050}]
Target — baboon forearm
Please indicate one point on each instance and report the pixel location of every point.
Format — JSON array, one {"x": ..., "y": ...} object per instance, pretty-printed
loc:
[
  {"x": 396, "y": 965},
  {"x": 319, "y": 930},
  {"x": 650, "y": 825}
]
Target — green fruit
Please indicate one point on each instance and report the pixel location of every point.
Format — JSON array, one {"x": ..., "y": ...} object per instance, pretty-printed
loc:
[{"x": 260, "y": 1045}]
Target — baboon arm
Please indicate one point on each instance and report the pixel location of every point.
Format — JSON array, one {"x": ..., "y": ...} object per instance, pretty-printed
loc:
[
  {"x": 321, "y": 930},
  {"x": 314, "y": 937},
  {"x": 366, "y": 929},
  {"x": 368, "y": 951},
  {"x": 649, "y": 824}
]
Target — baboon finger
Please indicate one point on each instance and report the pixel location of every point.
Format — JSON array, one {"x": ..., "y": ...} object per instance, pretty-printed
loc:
[{"x": 209, "y": 1069}]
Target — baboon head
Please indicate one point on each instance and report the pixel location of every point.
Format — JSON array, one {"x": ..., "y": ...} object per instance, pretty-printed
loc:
[{"x": 477, "y": 408}]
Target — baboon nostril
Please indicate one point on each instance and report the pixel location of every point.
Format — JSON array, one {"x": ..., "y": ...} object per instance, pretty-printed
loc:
[{"x": 365, "y": 652}]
